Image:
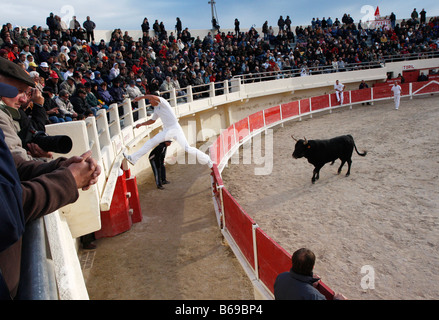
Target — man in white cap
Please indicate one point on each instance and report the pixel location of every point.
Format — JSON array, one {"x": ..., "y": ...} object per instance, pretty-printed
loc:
[{"x": 171, "y": 130}]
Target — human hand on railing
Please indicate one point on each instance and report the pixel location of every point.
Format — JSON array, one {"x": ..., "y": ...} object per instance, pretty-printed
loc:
[{"x": 139, "y": 125}]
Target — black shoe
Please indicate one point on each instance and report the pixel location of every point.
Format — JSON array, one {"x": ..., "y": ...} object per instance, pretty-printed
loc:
[
  {"x": 160, "y": 187},
  {"x": 166, "y": 182},
  {"x": 89, "y": 246}
]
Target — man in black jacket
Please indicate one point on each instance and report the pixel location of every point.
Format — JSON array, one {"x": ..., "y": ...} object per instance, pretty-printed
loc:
[{"x": 157, "y": 161}]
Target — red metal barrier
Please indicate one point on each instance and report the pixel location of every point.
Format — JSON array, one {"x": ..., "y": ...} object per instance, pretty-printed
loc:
[
  {"x": 228, "y": 138},
  {"x": 304, "y": 106},
  {"x": 320, "y": 102},
  {"x": 134, "y": 200},
  {"x": 256, "y": 120},
  {"x": 272, "y": 115},
  {"x": 117, "y": 219},
  {"x": 382, "y": 92},
  {"x": 425, "y": 87},
  {"x": 214, "y": 152},
  {"x": 239, "y": 225},
  {"x": 361, "y": 95},
  {"x": 272, "y": 259},
  {"x": 290, "y": 109},
  {"x": 217, "y": 181},
  {"x": 242, "y": 129}
]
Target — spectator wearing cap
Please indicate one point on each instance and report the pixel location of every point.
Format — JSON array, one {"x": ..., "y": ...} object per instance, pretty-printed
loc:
[
  {"x": 53, "y": 82},
  {"x": 68, "y": 85},
  {"x": 78, "y": 101},
  {"x": 56, "y": 67},
  {"x": 88, "y": 76},
  {"x": 117, "y": 92},
  {"x": 65, "y": 106},
  {"x": 43, "y": 70},
  {"x": 133, "y": 90}
]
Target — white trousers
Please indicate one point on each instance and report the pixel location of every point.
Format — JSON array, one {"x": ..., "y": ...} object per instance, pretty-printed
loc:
[
  {"x": 172, "y": 133},
  {"x": 397, "y": 98},
  {"x": 339, "y": 96}
]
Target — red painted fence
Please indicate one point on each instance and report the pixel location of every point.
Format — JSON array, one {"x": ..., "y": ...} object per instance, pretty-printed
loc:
[{"x": 263, "y": 254}]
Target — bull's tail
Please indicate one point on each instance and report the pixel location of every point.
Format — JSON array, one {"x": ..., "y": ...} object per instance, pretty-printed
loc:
[{"x": 360, "y": 154}]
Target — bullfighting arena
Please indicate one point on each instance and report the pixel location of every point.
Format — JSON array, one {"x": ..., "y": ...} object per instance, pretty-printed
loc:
[
  {"x": 385, "y": 215},
  {"x": 383, "y": 218}
]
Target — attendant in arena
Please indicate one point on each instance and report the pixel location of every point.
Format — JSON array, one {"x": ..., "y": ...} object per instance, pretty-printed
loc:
[
  {"x": 396, "y": 89},
  {"x": 339, "y": 88}
]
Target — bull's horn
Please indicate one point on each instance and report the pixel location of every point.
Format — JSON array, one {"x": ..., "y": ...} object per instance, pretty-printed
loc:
[
  {"x": 294, "y": 138},
  {"x": 306, "y": 141}
]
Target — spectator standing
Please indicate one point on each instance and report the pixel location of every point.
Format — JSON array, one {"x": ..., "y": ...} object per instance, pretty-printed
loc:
[
  {"x": 423, "y": 15},
  {"x": 178, "y": 27},
  {"x": 236, "y": 26},
  {"x": 89, "y": 27},
  {"x": 145, "y": 26},
  {"x": 281, "y": 24}
]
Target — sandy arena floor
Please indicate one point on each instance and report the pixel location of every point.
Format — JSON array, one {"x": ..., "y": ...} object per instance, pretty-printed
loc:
[
  {"x": 175, "y": 253},
  {"x": 384, "y": 215}
]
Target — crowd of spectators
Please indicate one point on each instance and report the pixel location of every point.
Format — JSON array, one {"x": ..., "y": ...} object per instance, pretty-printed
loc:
[{"x": 79, "y": 75}]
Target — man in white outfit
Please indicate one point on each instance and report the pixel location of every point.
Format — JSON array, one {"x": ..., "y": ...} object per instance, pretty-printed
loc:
[
  {"x": 396, "y": 94},
  {"x": 339, "y": 88},
  {"x": 171, "y": 130}
]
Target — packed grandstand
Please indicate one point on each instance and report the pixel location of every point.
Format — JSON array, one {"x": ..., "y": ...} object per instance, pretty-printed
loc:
[{"x": 94, "y": 74}]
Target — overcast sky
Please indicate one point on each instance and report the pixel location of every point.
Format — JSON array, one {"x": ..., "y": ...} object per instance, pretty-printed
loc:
[{"x": 196, "y": 14}]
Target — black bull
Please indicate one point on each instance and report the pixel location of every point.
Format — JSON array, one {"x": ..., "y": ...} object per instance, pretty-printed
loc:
[{"x": 320, "y": 152}]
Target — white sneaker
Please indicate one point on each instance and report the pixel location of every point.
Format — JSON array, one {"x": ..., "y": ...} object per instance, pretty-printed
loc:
[
  {"x": 128, "y": 158},
  {"x": 210, "y": 164}
]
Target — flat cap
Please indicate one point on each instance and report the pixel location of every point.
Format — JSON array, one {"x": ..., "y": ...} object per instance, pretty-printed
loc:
[
  {"x": 8, "y": 91},
  {"x": 13, "y": 70}
]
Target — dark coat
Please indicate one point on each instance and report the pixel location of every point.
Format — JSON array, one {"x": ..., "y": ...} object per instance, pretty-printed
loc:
[
  {"x": 293, "y": 286},
  {"x": 46, "y": 187}
]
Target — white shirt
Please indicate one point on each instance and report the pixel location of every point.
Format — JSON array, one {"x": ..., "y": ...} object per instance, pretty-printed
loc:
[
  {"x": 339, "y": 87},
  {"x": 164, "y": 111},
  {"x": 396, "y": 90}
]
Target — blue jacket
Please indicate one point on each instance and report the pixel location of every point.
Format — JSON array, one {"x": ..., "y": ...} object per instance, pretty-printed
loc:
[{"x": 293, "y": 286}]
